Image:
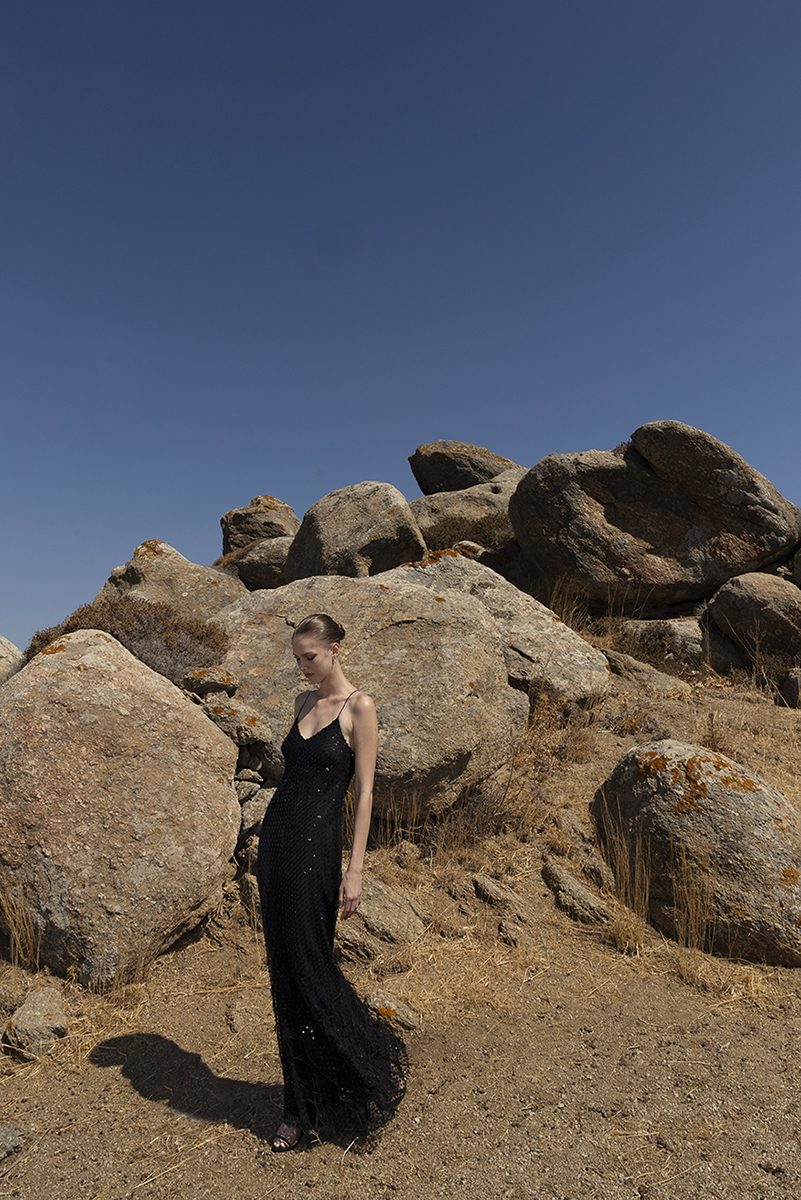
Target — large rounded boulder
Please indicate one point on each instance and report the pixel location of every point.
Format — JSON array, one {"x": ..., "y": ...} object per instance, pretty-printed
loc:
[
  {"x": 719, "y": 848},
  {"x": 761, "y": 614},
  {"x": 668, "y": 517},
  {"x": 356, "y": 531},
  {"x": 433, "y": 660},
  {"x": 476, "y": 514},
  {"x": 117, "y": 806},
  {"x": 448, "y": 466}
]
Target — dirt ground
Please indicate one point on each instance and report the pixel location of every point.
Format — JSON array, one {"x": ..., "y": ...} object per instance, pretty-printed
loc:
[{"x": 562, "y": 1069}]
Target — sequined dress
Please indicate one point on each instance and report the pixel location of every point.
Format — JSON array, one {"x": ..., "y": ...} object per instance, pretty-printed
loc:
[{"x": 342, "y": 1066}]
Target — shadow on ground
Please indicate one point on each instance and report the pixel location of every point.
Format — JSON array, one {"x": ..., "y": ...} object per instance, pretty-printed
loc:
[{"x": 163, "y": 1072}]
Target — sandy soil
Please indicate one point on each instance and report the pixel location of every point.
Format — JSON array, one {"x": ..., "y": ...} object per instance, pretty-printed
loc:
[{"x": 564, "y": 1070}]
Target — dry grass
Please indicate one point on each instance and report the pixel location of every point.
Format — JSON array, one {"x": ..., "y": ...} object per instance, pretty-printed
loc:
[
  {"x": 16, "y": 921},
  {"x": 694, "y": 911},
  {"x": 155, "y": 632},
  {"x": 630, "y": 863},
  {"x": 568, "y": 601},
  {"x": 450, "y": 978}
]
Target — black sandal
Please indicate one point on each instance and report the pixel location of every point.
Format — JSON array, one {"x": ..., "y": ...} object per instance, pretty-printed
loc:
[{"x": 281, "y": 1144}]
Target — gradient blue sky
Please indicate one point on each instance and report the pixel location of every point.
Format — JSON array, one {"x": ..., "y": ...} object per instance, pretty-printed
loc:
[{"x": 260, "y": 247}]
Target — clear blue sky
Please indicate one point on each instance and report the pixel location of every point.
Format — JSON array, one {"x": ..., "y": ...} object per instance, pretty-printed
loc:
[{"x": 260, "y": 247}]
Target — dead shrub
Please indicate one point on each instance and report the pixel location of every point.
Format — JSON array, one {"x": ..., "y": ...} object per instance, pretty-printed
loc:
[{"x": 155, "y": 632}]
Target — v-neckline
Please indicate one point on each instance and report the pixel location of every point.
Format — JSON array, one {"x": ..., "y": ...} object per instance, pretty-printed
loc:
[
  {"x": 330, "y": 723},
  {"x": 320, "y": 730}
]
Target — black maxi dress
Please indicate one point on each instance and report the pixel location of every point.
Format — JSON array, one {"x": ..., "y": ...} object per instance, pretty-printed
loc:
[{"x": 342, "y": 1066}]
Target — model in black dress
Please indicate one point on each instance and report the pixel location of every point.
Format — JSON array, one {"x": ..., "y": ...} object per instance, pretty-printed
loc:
[{"x": 339, "y": 1061}]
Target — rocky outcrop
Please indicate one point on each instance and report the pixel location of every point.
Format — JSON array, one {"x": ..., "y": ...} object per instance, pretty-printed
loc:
[
  {"x": 356, "y": 531},
  {"x": 264, "y": 517},
  {"x": 669, "y": 517},
  {"x": 116, "y": 801},
  {"x": 542, "y": 655},
  {"x": 761, "y": 613},
  {"x": 10, "y": 659},
  {"x": 572, "y": 895},
  {"x": 432, "y": 660},
  {"x": 452, "y": 466},
  {"x": 477, "y": 514},
  {"x": 157, "y": 572},
  {"x": 722, "y": 849}
]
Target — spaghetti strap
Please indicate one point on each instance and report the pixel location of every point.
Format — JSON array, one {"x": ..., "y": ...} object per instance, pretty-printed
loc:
[
  {"x": 347, "y": 698},
  {"x": 303, "y": 705}
]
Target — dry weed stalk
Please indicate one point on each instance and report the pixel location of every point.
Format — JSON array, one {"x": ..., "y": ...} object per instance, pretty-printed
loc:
[
  {"x": 631, "y": 866},
  {"x": 565, "y": 598},
  {"x": 16, "y": 920},
  {"x": 694, "y": 910}
]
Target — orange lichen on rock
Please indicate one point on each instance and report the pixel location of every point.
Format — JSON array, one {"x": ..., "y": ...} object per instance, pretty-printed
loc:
[
  {"x": 694, "y": 774},
  {"x": 54, "y": 648},
  {"x": 267, "y": 504},
  {"x": 789, "y": 877},
  {"x": 651, "y": 764},
  {"x": 150, "y": 549}
]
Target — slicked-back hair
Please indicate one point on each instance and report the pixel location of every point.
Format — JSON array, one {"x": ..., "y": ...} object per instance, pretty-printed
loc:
[{"x": 322, "y": 627}]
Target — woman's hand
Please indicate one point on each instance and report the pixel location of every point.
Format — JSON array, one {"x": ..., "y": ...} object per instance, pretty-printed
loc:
[{"x": 350, "y": 893}]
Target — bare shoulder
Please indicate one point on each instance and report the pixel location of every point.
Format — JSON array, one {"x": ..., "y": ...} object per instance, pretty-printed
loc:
[
  {"x": 362, "y": 710},
  {"x": 361, "y": 718}
]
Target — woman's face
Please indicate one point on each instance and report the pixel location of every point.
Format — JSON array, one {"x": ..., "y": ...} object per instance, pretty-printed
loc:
[{"x": 315, "y": 659}]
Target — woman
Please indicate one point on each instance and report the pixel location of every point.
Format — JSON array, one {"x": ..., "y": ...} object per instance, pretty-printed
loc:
[{"x": 336, "y": 1056}]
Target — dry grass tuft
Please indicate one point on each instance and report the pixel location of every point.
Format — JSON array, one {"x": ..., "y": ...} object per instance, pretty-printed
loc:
[
  {"x": 452, "y": 977},
  {"x": 565, "y": 598},
  {"x": 715, "y": 736},
  {"x": 694, "y": 912},
  {"x": 16, "y": 921}
]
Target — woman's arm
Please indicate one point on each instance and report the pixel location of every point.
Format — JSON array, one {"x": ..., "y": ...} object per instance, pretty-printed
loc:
[{"x": 364, "y": 739}]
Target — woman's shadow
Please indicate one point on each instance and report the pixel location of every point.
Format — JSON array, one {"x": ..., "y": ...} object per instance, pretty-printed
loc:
[{"x": 161, "y": 1071}]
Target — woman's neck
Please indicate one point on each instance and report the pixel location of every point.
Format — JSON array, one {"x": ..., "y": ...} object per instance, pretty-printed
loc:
[{"x": 335, "y": 686}]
